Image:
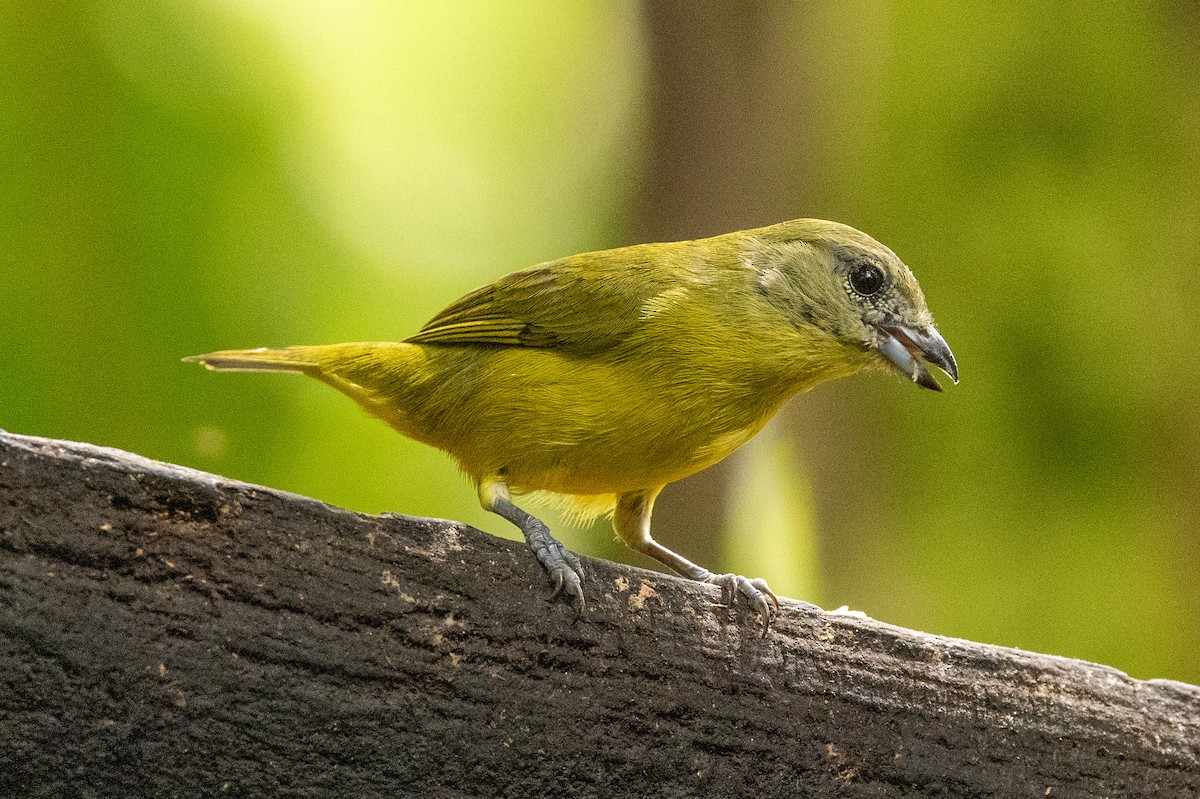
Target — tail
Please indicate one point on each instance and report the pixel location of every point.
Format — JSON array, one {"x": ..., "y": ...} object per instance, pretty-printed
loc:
[
  {"x": 299, "y": 360},
  {"x": 387, "y": 379},
  {"x": 378, "y": 366}
]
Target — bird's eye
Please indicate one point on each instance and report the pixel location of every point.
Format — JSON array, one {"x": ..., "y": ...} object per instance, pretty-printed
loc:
[{"x": 867, "y": 279}]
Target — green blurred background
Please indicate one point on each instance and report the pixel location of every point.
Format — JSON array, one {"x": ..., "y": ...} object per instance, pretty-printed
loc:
[{"x": 180, "y": 176}]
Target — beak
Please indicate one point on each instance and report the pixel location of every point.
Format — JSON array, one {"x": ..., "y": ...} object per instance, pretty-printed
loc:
[{"x": 910, "y": 348}]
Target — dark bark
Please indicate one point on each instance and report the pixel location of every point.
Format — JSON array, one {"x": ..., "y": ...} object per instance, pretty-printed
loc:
[{"x": 165, "y": 632}]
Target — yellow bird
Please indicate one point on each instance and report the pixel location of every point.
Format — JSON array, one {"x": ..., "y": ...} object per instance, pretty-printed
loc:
[{"x": 605, "y": 376}]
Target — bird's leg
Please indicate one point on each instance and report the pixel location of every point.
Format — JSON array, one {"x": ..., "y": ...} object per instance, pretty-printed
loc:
[
  {"x": 632, "y": 523},
  {"x": 564, "y": 568}
]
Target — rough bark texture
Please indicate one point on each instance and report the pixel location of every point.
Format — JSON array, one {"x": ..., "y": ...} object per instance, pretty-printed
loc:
[{"x": 165, "y": 632}]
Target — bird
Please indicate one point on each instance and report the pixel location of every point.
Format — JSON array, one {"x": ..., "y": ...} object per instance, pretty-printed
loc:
[{"x": 601, "y": 378}]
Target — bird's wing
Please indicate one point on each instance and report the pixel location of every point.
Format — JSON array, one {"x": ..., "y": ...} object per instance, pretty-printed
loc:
[{"x": 579, "y": 308}]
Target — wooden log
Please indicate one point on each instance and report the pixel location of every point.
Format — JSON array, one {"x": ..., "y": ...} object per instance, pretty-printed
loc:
[{"x": 165, "y": 632}]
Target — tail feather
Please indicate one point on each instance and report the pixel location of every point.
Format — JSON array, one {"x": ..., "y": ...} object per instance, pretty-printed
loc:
[
  {"x": 298, "y": 360},
  {"x": 382, "y": 377}
]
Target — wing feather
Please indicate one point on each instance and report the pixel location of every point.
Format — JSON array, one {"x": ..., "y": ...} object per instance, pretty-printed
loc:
[{"x": 582, "y": 305}]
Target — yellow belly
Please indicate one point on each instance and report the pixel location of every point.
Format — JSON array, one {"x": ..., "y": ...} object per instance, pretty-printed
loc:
[{"x": 547, "y": 422}]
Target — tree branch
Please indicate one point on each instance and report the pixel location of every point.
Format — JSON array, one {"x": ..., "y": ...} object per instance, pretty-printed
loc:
[{"x": 165, "y": 632}]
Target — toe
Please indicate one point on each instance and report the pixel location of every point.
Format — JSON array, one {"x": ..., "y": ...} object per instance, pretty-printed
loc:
[
  {"x": 574, "y": 591},
  {"x": 757, "y": 599},
  {"x": 574, "y": 563}
]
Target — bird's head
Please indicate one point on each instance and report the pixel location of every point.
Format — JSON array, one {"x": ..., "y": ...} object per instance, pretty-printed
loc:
[{"x": 853, "y": 289}]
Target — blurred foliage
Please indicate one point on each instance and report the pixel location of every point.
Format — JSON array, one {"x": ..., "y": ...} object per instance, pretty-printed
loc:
[{"x": 189, "y": 175}]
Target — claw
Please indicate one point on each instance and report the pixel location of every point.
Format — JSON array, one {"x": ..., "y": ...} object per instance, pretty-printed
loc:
[
  {"x": 755, "y": 592},
  {"x": 567, "y": 582},
  {"x": 761, "y": 585}
]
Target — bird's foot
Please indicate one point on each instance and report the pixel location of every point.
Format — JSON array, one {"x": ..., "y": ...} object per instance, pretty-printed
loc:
[
  {"x": 562, "y": 566},
  {"x": 754, "y": 592},
  {"x": 564, "y": 569}
]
